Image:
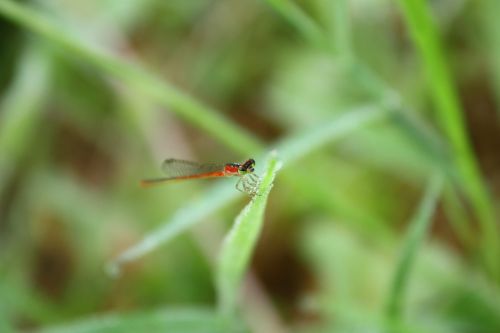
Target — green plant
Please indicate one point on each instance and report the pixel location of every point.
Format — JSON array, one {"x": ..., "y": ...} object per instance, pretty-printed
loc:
[{"x": 94, "y": 95}]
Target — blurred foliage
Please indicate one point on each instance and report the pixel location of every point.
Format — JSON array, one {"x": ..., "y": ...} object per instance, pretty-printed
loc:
[{"x": 384, "y": 217}]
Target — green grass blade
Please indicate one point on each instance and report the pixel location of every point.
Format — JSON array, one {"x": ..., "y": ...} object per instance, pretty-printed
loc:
[
  {"x": 20, "y": 108},
  {"x": 291, "y": 149},
  {"x": 415, "y": 236},
  {"x": 450, "y": 115},
  {"x": 342, "y": 28},
  {"x": 488, "y": 14},
  {"x": 241, "y": 239},
  {"x": 295, "y": 147},
  {"x": 171, "y": 320},
  {"x": 137, "y": 78},
  {"x": 306, "y": 26},
  {"x": 214, "y": 199},
  {"x": 336, "y": 18},
  {"x": 449, "y": 112}
]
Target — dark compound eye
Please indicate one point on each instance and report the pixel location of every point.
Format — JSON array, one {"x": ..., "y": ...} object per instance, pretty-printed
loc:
[
  {"x": 250, "y": 163},
  {"x": 248, "y": 166}
]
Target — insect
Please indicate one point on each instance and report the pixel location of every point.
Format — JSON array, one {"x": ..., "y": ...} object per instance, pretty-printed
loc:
[{"x": 175, "y": 169}]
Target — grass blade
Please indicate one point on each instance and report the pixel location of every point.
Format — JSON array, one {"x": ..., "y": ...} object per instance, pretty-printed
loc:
[
  {"x": 214, "y": 199},
  {"x": 449, "y": 112},
  {"x": 488, "y": 10},
  {"x": 295, "y": 147},
  {"x": 137, "y": 79},
  {"x": 20, "y": 108},
  {"x": 336, "y": 18},
  {"x": 415, "y": 236},
  {"x": 303, "y": 23},
  {"x": 241, "y": 239},
  {"x": 171, "y": 320}
]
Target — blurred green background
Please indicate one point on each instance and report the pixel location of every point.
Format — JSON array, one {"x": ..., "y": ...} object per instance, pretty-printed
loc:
[{"x": 385, "y": 217}]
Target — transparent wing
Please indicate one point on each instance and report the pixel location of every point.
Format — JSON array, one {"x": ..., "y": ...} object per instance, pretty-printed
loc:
[{"x": 173, "y": 168}]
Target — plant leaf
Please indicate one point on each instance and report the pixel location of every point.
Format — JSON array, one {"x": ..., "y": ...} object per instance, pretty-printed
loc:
[
  {"x": 414, "y": 239},
  {"x": 170, "y": 320},
  {"x": 241, "y": 239}
]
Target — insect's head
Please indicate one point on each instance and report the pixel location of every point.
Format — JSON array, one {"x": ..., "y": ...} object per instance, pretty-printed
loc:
[{"x": 247, "y": 167}]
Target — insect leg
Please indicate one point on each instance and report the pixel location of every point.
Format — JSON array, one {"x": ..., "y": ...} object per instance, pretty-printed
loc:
[
  {"x": 250, "y": 185},
  {"x": 240, "y": 186}
]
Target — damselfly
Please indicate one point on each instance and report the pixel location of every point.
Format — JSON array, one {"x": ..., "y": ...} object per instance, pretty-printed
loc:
[{"x": 175, "y": 169}]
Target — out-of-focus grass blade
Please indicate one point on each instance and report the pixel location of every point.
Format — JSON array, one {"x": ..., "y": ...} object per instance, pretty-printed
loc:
[
  {"x": 212, "y": 200},
  {"x": 222, "y": 195},
  {"x": 295, "y": 147},
  {"x": 416, "y": 234},
  {"x": 137, "y": 78},
  {"x": 20, "y": 107},
  {"x": 171, "y": 320},
  {"x": 488, "y": 14},
  {"x": 449, "y": 113},
  {"x": 420, "y": 23},
  {"x": 303, "y": 23},
  {"x": 336, "y": 18},
  {"x": 241, "y": 239}
]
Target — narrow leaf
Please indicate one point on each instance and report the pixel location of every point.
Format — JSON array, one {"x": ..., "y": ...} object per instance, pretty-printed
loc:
[
  {"x": 416, "y": 234},
  {"x": 171, "y": 320},
  {"x": 450, "y": 115},
  {"x": 137, "y": 78},
  {"x": 241, "y": 239}
]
